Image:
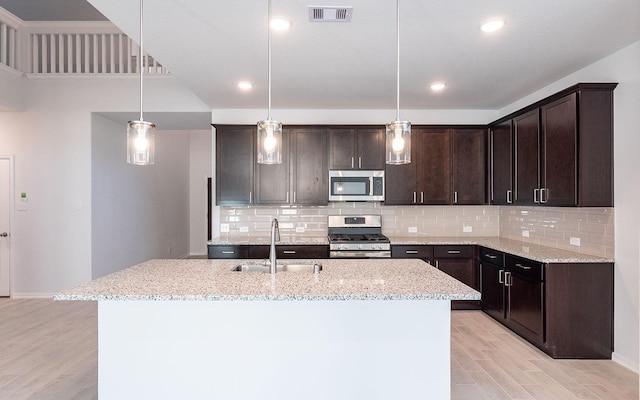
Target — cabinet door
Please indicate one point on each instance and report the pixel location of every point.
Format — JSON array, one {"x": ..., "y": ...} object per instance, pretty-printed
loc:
[
  {"x": 235, "y": 154},
  {"x": 423, "y": 252},
  {"x": 434, "y": 167},
  {"x": 302, "y": 251},
  {"x": 342, "y": 148},
  {"x": 492, "y": 289},
  {"x": 525, "y": 307},
  {"x": 400, "y": 180},
  {"x": 469, "y": 166},
  {"x": 463, "y": 269},
  {"x": 527, "y": 156},
  {"x": 370, "y": 148},
  {"x": 272, "y": 180},
  {"x": 501, "y": 164},
  {"x": 309, "y": 172},
  {"x": 559, "y": 149}
]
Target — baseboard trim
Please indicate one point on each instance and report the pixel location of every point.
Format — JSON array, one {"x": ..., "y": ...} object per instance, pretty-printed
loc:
[
  {"x": 32, "y": 295},
  {"x": 625, "y": 362}
]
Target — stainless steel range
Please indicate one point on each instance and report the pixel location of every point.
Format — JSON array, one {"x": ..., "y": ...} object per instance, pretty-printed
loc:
[{"x": 357, "y": 236}]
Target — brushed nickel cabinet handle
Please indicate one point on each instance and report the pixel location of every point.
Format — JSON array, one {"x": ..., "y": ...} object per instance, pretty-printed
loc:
[
  {"x": 453, "y": 251},
  {"x": 500, "y": 276},
  {"x": 289, "y": 252},
  {"x": 411, "y": 251},
  {"x": 522, "y": 266}
]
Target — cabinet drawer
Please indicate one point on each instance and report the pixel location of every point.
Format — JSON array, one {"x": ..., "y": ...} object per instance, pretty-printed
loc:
[
  {"x": 288, "y": 251},
  {"x": 454, "y": 251},
  {"x": 492, "y": 256},
  {"x": 411, "y": 251},
  {"x": 524, "y": 267},
  {"x": 216, "y": 251}
]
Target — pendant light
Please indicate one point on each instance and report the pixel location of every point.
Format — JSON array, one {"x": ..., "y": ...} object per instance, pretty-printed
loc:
[
  {"x": 269, "y": 131},
  {"x": 140, "y": 134},
  {"x": 398, "y": 137}
]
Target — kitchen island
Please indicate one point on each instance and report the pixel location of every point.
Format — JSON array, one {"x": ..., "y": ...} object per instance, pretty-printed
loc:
[{"x": 374, "y": 329}]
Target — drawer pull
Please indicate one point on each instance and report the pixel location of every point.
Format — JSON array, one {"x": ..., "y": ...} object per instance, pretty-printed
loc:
[
  {"x": 453, "y": 251},
  {"x": 522, "y": 266},
  {"x": 491, "y": 256},
  {"x": 411, "y": 252},
  {"x": 228, "y": 252},
  {"x": 289, "y": 252}
]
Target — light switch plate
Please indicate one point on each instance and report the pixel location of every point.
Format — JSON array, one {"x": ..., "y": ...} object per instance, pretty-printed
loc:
[
  {"x": 467, "y": 229},
  {"x": 224, "y": 228},
  {"x": 525, "y": 233},
  {"x": 299, "y": 229},
  {"x": 244, "y": 229},
  {"x": 574, "y": 241}
]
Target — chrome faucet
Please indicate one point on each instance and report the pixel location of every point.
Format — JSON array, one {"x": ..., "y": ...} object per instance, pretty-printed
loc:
[{"x": 275, "y": 237}]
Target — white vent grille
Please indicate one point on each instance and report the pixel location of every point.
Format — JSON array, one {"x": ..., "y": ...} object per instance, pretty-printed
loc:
[{"x": 330, "y": 14}]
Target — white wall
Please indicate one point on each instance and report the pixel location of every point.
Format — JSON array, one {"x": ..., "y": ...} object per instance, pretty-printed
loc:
[
  {"x": 138, "y": 213},
  {"x": 199, "y": 171},
  {"x": 623, "y": 67},
  {"x": 51, "y": 141}
]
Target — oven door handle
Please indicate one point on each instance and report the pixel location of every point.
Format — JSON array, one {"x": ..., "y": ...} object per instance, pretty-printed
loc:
[{"x": 371, "y": 186}]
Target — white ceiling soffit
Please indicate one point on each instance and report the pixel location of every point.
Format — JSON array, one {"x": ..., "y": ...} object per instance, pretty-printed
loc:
[
  {"x": 210, "y": 46},
  {"x": 330, "y": 14}
]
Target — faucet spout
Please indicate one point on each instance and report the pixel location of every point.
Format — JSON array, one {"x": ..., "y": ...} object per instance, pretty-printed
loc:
[{"x": 275, "y": 237}]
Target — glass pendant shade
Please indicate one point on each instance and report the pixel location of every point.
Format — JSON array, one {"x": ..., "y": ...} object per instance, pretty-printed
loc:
[
  {"x": 269, "y": 142},
  {"x": 141, "y": 143},
  {"x": 398, "y": 142}
]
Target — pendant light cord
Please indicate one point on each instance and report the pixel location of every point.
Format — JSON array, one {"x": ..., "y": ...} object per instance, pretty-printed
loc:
[
  {"x": 269, "y": 58},
  {"x": 397, "y": 60},
  {"x": 140, "y": 59}
]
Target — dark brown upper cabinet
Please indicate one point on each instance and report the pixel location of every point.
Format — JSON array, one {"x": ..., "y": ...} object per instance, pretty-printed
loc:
[
  {"x": 501, "y": 171},
  {"x": 235, "y": 154},
  {"x": 309, "y": 169},
  {"x": 448, "y": 166},
  {"x": 561, "y": 150},
  {"x": 356, "y": 148},
  {"x": 272, "y": 180}
]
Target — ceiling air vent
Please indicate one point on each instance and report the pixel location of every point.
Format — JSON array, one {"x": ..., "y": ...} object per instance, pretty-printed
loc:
[{"x": 330, "y": 14}]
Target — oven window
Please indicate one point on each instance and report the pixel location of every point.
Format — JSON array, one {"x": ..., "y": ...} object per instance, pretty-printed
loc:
[{"x": 350, "y": 186}]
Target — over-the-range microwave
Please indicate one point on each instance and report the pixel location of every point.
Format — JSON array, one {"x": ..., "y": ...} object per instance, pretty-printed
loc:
[{"x": 356, "y": 185}]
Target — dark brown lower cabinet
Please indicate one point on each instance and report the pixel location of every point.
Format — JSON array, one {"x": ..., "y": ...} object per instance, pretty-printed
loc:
[
  {"x": 565, "y": 309},
  {"x": 459, "y": 261},
  {"x": 262, "y": 251}
]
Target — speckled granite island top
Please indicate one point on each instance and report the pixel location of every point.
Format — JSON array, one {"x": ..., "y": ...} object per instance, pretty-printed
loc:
[{"x": 213, "y": 280}]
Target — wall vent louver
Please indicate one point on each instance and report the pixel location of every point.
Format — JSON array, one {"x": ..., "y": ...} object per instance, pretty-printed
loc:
[{"x": 330, "y": 14}]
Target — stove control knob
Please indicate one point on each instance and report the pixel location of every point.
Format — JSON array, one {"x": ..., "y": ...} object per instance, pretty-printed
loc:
[
  {"x": 360, "y": 246},
  {"x": 376, "y": 247},
  {"x": 342, "y": 247}
]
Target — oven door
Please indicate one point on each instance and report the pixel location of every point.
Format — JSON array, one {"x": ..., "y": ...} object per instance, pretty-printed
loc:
[
  {"x": 356, "y": 185},
  {"x": 359, "y": 254}
]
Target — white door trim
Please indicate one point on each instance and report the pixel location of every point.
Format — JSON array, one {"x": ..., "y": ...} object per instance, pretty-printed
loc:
[{"x": 12, "y": 197}]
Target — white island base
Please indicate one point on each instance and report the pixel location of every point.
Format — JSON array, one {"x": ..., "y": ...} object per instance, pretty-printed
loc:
[{"x": 285, "y": 350}]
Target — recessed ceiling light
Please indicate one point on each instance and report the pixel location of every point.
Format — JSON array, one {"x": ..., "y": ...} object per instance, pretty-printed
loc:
[
  {"x": 493, "y": 25},
  {"x": 438, "y": 86},
  {"x": 245, "y": 85},
  {"x": 280, "y": 24}
]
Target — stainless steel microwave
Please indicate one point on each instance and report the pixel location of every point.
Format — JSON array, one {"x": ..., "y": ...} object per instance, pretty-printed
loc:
[{"x": 356, "y": 185}]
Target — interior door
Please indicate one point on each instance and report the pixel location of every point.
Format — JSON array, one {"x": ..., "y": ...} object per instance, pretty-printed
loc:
[{"x": 6, "y": 192}]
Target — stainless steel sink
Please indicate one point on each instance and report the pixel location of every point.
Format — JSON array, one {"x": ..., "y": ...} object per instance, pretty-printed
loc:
[{"x": 256, "y": 267}]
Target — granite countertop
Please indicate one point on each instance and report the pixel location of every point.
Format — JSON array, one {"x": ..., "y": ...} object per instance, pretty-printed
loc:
[
  {"x": 531, "y": 251},
  {"x": 213, "y": 280}
]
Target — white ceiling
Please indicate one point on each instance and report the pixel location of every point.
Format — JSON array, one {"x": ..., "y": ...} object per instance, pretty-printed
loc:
[{"x": 210, "y": 45}]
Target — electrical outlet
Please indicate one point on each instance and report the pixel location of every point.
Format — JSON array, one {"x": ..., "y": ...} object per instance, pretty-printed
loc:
[
  {"x": 467, "y": 229},
  {"x": 288, "y": 211},
  {"x": 574, "y": 241},
  {"x": 244, "y": 229},
  {"x": 413, "y": 229},
  {"x": 169, "y": 250},
  {"x": 286, "y": 225},
  {"x": 224, "y": 228},
  {"x": 299, "y": 229},
  {"x": 525, "y": 233}
]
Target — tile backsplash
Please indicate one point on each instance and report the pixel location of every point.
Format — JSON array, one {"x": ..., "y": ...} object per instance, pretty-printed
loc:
[
  {"x": 593, "y": 228},
  {"x": 551, "y": 226}
]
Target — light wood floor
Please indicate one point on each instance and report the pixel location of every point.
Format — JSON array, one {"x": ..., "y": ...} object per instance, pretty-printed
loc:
[{"x": 48, "y": 350}]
